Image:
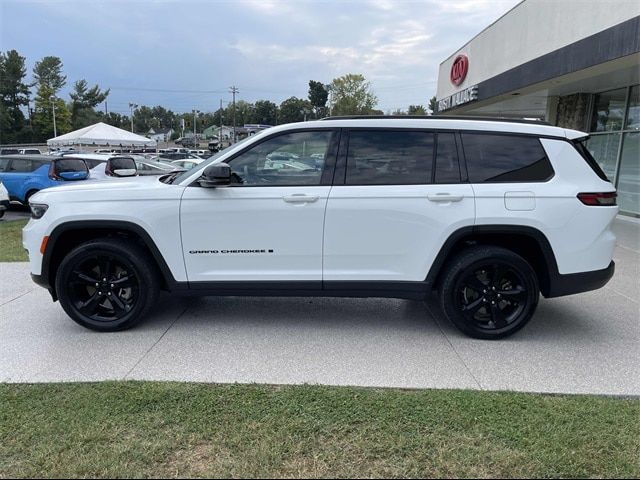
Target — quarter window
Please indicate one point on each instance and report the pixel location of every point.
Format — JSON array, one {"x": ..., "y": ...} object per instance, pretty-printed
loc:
[
  {"x": 290, "y": 159},
  {"x": 505, "y": 158},
  {"x": 389, "y": 157}
]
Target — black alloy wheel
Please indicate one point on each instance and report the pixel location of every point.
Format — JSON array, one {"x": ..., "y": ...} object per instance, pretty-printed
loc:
[
  {"x": 103, "y": 288},
  {"x": 489, "y": 292},
  {"x": 107, "y": 284}
]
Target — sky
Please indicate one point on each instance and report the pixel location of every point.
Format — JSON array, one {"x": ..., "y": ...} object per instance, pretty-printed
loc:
[{"x": 186, "y": 54}]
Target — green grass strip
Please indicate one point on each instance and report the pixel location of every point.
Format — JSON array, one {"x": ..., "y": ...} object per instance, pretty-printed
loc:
[{"x": 146, "y": 429}]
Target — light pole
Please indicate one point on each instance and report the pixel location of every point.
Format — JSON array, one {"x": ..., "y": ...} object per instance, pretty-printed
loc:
[
  {"x": 194, "y": 127},
  {"x": 131, "y": 107},
  {"x": 234, "y": 90},
  {"x": 53, "y": 107}
]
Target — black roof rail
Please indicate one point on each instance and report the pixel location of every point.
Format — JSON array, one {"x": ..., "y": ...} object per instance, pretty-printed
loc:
[{"x": 438, "y": 117}]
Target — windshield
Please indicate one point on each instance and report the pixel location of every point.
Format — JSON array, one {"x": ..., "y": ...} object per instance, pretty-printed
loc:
[{"x": 209, "y": 160}]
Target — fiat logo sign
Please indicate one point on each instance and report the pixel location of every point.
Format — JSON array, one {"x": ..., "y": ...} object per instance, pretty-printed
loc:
[{"x": 459, "y": 69}]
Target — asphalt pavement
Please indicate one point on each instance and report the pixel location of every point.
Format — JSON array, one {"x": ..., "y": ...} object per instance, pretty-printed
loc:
[{"x": 587, "y": 343}]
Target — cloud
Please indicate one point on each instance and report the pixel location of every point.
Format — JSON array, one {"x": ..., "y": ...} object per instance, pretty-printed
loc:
[{"x": 270, "y": 48}]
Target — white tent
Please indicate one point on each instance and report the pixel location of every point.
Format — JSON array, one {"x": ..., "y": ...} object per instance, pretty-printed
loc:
[{"x": 101, "y": 134}]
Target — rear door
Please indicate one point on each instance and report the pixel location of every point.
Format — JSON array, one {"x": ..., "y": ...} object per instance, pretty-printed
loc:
[
  {"x": 18, "y": 171},
  {"x": 397, "y": 196}
]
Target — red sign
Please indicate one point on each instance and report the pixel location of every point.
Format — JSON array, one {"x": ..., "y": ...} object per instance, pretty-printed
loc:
[{"x": 459, "y": 69}]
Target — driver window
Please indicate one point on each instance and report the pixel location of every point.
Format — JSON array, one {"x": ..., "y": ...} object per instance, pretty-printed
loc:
[{"x": 289, "y": 159}]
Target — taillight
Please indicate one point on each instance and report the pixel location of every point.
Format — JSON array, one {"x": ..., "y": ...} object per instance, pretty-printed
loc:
[
  {"x": 603, "y": 199},
  {"x": 52, "y": 172}
]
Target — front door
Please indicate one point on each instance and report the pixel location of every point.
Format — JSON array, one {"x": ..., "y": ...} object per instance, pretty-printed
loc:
[{"x": 268, "y": 224}]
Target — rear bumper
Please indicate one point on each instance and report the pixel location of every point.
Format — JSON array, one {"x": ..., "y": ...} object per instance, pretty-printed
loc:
[{"x": 580, "y": 282}]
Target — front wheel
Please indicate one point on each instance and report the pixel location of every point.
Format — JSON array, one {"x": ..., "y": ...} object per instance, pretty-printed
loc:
[
  {"x": 489, "y": 292},
  {"x": 107, "y": 284}
]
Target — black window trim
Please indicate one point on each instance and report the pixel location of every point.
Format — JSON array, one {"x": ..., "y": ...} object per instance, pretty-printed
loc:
[
  {"x": 329, "y": 164},
  {"x": 511, "y": 134}
]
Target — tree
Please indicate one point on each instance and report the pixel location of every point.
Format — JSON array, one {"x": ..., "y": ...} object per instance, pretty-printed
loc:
[
  {"x": 265, "y": 112},
  {"x": 293, "y": 110},
  {"x": 43, "y": 114},
  {"x": 49, "y": 79},
  {"x": 48, "y": 72},
  {"x": 318, "y": 95},
  {"x": 14, "y": 93},
  {"x": 433, "y": 105},
  {"x": 352, "y": 95},
  {"x": 416, "y": 110},
  {"x": 83, "y": 103}
]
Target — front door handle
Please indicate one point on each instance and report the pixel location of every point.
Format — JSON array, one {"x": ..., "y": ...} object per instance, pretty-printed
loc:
[
  {"x": 445, "y": 197},
  {"x": 300, "y": 198}
]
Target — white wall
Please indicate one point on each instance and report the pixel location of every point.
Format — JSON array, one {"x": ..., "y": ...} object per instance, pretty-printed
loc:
[{"x": 531, "y": 29}]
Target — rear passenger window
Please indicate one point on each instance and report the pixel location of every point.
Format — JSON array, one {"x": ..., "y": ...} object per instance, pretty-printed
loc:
[
  {"x": 447, "y": 166},
  {"x": 3, "y": 164},
  {"x": 389, "y": 158},
  {"x": 505, "y": 158}
]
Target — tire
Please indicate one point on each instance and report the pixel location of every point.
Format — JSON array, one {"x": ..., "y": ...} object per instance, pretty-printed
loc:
[
  {"x": 489, "y": 292},
  {"x": 2, "y": 213},
  {"x": 107, "y": 284},
  {"x": 29, "y": 194}
]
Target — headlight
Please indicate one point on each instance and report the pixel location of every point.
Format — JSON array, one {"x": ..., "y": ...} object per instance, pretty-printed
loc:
[{"x": 38, "y": 210}]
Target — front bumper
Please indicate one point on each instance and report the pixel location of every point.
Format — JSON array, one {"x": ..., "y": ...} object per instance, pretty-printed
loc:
[
  {"x": 580, "y": 282},
  {"x": 42, "y": 282}
]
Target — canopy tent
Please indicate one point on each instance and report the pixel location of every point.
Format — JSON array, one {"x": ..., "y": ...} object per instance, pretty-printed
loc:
[{"x": 101, "y": 134}]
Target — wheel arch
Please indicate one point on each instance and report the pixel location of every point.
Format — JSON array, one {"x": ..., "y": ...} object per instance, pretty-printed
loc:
[
  {"x": 68, "y": 235},
  {"x": 528, "y": 242}
]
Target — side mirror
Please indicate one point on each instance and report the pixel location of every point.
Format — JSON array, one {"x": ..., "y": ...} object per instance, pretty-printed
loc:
[
  {"x": 121, "y": 167},
  {"x": 216, "y": 175}
]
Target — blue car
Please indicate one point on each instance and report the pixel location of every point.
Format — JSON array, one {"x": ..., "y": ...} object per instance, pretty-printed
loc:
[{"x": 24, "y": 175}]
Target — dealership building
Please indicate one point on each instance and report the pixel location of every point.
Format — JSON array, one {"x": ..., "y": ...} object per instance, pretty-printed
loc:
[{"x": 575, "y": 64}]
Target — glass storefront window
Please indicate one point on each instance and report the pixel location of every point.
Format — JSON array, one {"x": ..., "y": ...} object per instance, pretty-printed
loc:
[
  {"x": 604, "y": 149},
  {"x": 633, "y": 115},
  {"x": 608, "y": 111},
  {"x": 629, "y": 176}
]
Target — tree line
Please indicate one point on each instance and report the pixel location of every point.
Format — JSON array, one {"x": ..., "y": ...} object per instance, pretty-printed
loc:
[{"x": 349, "y": 94}]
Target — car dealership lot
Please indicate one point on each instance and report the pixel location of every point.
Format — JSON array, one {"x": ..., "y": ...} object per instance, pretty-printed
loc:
[{"x": 587, "y": 343}]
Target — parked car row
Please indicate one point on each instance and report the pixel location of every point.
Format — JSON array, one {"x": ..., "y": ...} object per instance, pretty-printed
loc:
[{"x": 25, "y": 175}]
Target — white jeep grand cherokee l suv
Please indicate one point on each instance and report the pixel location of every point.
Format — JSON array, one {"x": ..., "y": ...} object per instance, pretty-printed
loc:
[{"x": 490, "y": 213}]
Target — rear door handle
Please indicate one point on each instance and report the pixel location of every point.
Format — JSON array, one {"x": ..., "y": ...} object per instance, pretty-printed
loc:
[
  {"x": 300, "y": 198},
  {"x": 445, "y": 197}
]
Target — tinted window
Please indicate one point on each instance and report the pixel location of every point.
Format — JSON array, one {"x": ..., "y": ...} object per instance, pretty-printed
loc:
[
  {"x": 289, "y": 159},
  {"x": 3, "y": 164},
  {"x": 389, "y": 158},
  {"x": 20, "y": 166},
  {"x": 124, "y": 163},
  {"x": 505, "y": 158},
  {"x": 447, "y": 166},
  {"x": 70, "y": 165}
]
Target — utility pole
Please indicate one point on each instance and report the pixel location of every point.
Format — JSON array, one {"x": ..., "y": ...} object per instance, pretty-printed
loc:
[
  {"x": 53, "y": 107},
  {"x": 131, "y": 107},
  {"x": 234, "y": 90},
  {"x": 220, "y": 131}
]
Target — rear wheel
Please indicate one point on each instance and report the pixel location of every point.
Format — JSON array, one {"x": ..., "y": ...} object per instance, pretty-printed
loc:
[
  {"x": 489, "y": 292},
  {"x": 107, "y": 284}
]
